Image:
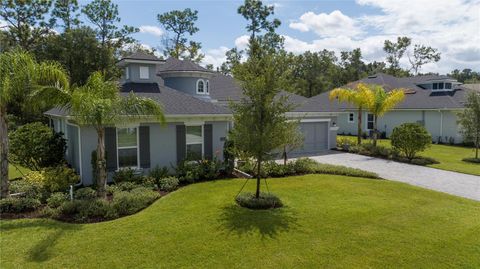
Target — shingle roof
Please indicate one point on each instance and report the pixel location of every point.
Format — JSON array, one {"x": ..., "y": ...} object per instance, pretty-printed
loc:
[
  {"x": 172, "y": 65},
  {"x": 416, "y": 98},
  {"x": 140, "y": 87},
  {"x": 225, "y": 88},
  {"x": 173, "y": 102},
  {"x": 142, "y": 56}
]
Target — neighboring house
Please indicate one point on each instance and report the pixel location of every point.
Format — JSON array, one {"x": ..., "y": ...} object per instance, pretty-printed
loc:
[
  {"x": 430, "y": 100},
  {"x": 195, "y": 103}
]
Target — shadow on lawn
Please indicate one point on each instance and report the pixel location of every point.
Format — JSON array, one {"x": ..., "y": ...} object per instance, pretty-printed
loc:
[
  {"x": 42, "y": 250},
  {"x": 267, "y": 222}
]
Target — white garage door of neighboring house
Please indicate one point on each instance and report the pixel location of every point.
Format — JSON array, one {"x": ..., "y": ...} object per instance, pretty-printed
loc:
[{"x": 315, "y": 137}]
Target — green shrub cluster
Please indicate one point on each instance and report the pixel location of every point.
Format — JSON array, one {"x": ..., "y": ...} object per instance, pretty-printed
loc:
[
  {"x": 86, "y": 207},
  {"x": 36, "y": 146},
  {"x": 195, "y": 171},
  {"x": 265, "y": 201},
  {"x": 57, "y": 199},
  {"x": 18, "y": 204},
  {"x": 53, "y": 179},
  {"x": 168, "y": 184},
  {"x": 304, "y": 166}
]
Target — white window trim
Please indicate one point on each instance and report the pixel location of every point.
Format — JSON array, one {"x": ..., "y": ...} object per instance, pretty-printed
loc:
[
  {"x": 186, "y": 142},
  {"x": 127, "y": 72},
  {"x": 353, "y": 118},
  {"x": 140, "y": 72},
  {"x": 207, "y": 87},
  {"x": 196, "y": 89},
  {"x": 130, "y": 147}
]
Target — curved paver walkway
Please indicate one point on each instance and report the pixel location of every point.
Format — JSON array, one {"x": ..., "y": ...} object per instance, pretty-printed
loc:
[{"x": 459, "y": 184}]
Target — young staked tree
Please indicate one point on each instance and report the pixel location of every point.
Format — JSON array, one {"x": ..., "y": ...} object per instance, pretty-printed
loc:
[
  {"x": 181, "y": 23},
  {"x": 380, "y": 102},
  {"x": 357, "y": 96},
  {"x": 99, "y": 103},
  {"x": 469, "y": 119},
  {"x": 20, "y": 74},
  {"x": 260, "y": 120}
]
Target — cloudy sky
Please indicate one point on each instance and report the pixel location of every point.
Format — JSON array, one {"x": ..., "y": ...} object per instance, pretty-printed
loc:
[{"x": 452, "y": 26}]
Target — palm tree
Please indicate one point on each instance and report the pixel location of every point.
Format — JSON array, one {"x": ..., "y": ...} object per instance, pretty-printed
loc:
[
  {"x": 20, "y": 74},
  {"x": 357, "y": 96},
  {"x": 98, "y": 103},
  {"x": 380, "y": 102}
]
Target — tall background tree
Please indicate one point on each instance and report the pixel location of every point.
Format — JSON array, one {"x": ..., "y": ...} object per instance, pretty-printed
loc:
[
  {"x": 181, "y": 23},
  {"x": 421, "y": 56},
  {"x": 27, "y": 25},
  {"x": 20, "y": 74},
  {"x": 469, "y": 119},
  {"x": 104, "y": 15},
  {"x": 67, "y": 11},
  {"x": 395, "y": 52}
]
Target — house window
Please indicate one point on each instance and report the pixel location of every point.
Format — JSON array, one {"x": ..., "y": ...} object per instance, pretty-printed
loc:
[
  {"x": 144, "y": 74},
  {"x": 200, "y": 86},
  {"x": 435, "y": 86},
  {"x": 207, "y": 87},
  {"x": 351, "y": 117},
  {"x": 127, "y": 73},
  {"x": 127, "y": 147},
  {"x": 440, "y": 86},
  {"x": 448, "y": 85},
  {"x": 194, "y": 142},
  {"x": 370, "y": 121}
]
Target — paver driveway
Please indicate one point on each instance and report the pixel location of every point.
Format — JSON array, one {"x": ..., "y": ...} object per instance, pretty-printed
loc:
[{"x": 464, "y": 185}]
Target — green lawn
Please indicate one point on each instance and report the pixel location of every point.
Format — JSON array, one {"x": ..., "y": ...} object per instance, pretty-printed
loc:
[
  {"x": 328, "y": 221},
  {"x": 16, "y": 171},
  {"x": 450, "y": 157}
]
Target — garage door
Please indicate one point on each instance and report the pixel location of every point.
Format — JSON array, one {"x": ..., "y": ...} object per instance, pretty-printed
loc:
[{"x": 315, "y": 137}]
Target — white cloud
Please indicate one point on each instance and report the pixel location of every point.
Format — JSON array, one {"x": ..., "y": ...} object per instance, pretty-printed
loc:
[
  {"x": 242, "y": 42},
  {"x": 327, "y": 25},
  {"x": 451, "y": 26},
  {"x": 215, "y": 56},
  {"x": 152, "y": 30},
  {"x": 3, "y": 24}
]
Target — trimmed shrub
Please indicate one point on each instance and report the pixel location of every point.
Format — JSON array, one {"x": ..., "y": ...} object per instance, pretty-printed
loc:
[
  {"x": 28, "y": 189},
  {"x": 265, "y": 201},
  {"x": 35, "y": 146},
  {"x": 471, "y": 160},
  {"x": 127, "y": 175},
  {"x": 157, "y": 173},
  {"x": 18, "y": 204},
  {"x": 194, "y": 171},
  {"x": 410, "y": 138},
  {"x": 168, "y": 184},
  {"x": 86, "y": 193},
  {"x": 57, "y": 199},
  {"x": 53, "y": 179},
  {"x": 127, "y": 203}
]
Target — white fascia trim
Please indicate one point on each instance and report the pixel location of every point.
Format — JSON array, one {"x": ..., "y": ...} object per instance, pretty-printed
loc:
[
  {"x": 312, "y": 114},
  {"x": 315, "y": 120}
]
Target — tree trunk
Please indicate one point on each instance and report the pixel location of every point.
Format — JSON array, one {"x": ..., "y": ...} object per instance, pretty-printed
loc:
[
  {"x": 259, "y": 169},
  {"x": 284, "y": 155},
  {"x": 359, "y": 130},
  {"x": 101, "y": 163},
  {"x": 375, "y": 131},
  {"x": 4, "y": 192}
]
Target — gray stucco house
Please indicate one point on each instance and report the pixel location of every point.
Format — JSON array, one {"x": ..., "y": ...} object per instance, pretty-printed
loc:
[
  {"x": 195, "y": 103},
  {"x": 430, "y": 100}
]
